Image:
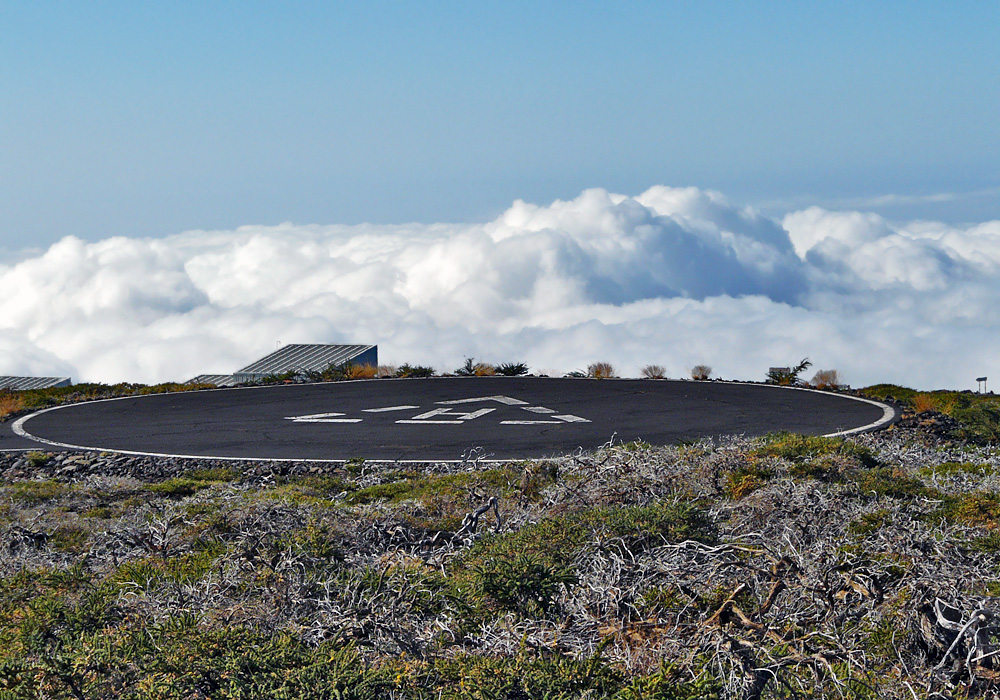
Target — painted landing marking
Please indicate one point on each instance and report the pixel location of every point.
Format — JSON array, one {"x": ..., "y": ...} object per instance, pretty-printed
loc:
[
  {"x": 322, "y": 418},
  {"x": 448, "y": 416}
]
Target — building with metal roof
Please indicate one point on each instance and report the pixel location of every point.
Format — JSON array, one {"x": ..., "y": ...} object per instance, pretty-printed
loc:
[
  {"x": 219, "y": 380},
  {"x": 25, "y": 383},
  {"x": 307, "y": 358}
]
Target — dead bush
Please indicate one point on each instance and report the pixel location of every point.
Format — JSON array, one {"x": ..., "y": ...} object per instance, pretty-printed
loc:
[
  {"x": 654, "y": 372},
  {"x": 362, "y": 371},
  {"x": 601, "y": 370},
  {"x": 826, "y": 379},
  {"x": 701, "y": 372}
]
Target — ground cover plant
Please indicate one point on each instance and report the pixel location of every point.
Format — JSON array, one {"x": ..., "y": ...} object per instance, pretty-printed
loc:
[{"x": 785, "y": 566}]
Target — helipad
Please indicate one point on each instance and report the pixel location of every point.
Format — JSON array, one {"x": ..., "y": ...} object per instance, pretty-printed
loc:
[{"x": 439, "y": 419}]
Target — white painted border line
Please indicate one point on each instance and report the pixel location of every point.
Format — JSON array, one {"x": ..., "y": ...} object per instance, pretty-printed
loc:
[{"x": 888, "y": 416}]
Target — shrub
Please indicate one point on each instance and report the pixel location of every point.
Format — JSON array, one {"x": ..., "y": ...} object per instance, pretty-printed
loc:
[
  {"x": 10, "y": 403},
  {"x": 745, "y": 480},
  {"x": 178, "y": 487},
  {"x": 512, "y": 369},
  {"x": 654, "y": 372},
  {"x": 408, "y": 370},
  {"x": 471, "y": 368},
  {"x": 386, "y": 371},
  {"x": 701, "y": 372},
  {"x": 977, "y": 509},
  {"x": 38, "y": 459},
  {"x": 601, "y": 370},
  {"x": 800, "y": 449},
  {"x": 925, "y": 402},
  {"x": 35, "y": 492},
  {"x": 522, "y": 583},
  {"x": 891, "y": 482},
  {"x": 361, "y": 371},
  {"x": 69, "y": 538},
  {"x": 826, "y": 379},
  {"x": 468, "y": 369}
]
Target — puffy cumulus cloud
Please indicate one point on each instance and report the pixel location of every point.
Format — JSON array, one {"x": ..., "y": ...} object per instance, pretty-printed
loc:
[{"x": 674, "y": 276}]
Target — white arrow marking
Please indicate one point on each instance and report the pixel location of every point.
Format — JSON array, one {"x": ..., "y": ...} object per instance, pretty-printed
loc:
[
  {"x": 531, "y": 422},
  {"x": 388, "y": 408},
  {"x": 447, "y": 412},
  {"x": 570, "y": 418},
  {"x": 322, "y": 418},
  {"x": 502, "y": 399},
  {"x": 430, "y": 422},
  {"x": 538, "y": 409}
]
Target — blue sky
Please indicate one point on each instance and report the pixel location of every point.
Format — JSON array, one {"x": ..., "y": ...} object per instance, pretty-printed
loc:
[{"x": 145, "y": 119}]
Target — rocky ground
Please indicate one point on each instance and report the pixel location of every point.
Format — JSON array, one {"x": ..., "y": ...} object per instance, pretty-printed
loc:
[{"x": 780, "y": 567}]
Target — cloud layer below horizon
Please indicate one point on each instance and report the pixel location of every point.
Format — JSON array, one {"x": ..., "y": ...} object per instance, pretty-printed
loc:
[{"x": 674, "y": 276}]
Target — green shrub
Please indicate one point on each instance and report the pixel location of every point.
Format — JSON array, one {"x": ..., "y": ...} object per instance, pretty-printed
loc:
[
  {"x": 511, "y": 369},
  {"x": 69, "y": 538},
  {"x": 37, "y": 459},
  {"x": 520, "y": 677},
  {"x": 179, "y": 487},
  {"x": 976, "y": 509},
  {"x": 214, "y": 474},
  {"x": 36, "y": 492},
  {"x": 952, "y": 468},
  {"x": 524, "y": 583},
  {"x": 891, "y": 482},
  {"x": 194, "y": 481},
  {"x": 803, "y": 448},
  {"x": 870, "y": 523},
  {"x": 313, "y": 487},
  {"x": 408, "y": 370},
  {"x": 556, "y": 541},
  {"x": 746, "y": 479}
]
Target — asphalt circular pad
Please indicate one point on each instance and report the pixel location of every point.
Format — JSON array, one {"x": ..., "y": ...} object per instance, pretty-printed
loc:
[{"x": 440, "y": 419}]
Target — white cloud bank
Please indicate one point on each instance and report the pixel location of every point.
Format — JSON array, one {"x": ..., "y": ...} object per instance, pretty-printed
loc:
[{"x": 676, "y": 277}]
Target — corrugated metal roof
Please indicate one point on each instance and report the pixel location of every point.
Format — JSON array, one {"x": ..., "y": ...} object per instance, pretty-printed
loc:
[
  {"x": 25, "y": 383},
  {"x": 309, "y": 358},
  {"x": 216, "y": 379}
]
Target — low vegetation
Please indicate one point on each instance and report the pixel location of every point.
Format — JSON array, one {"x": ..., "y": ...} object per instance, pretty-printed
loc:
[
  {"x": 786, "y": 566},
  {"x": 976, "y": 416},
  {"x": 778, "y": 567}
]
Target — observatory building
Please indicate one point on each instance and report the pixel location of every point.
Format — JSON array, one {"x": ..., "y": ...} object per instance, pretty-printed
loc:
[
  {"x": 295, "y": 358},
  {"x": 25, "y": 383}
]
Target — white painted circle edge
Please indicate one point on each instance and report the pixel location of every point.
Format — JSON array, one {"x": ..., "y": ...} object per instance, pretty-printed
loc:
[{"x": 888, "y": 415}]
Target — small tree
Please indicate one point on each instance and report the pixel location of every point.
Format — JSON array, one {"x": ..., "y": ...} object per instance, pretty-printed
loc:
[
  {"x": 787, "y": 376},
  {"x": 701, "y": 372},
  {"x": 654, "y": 372}
]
